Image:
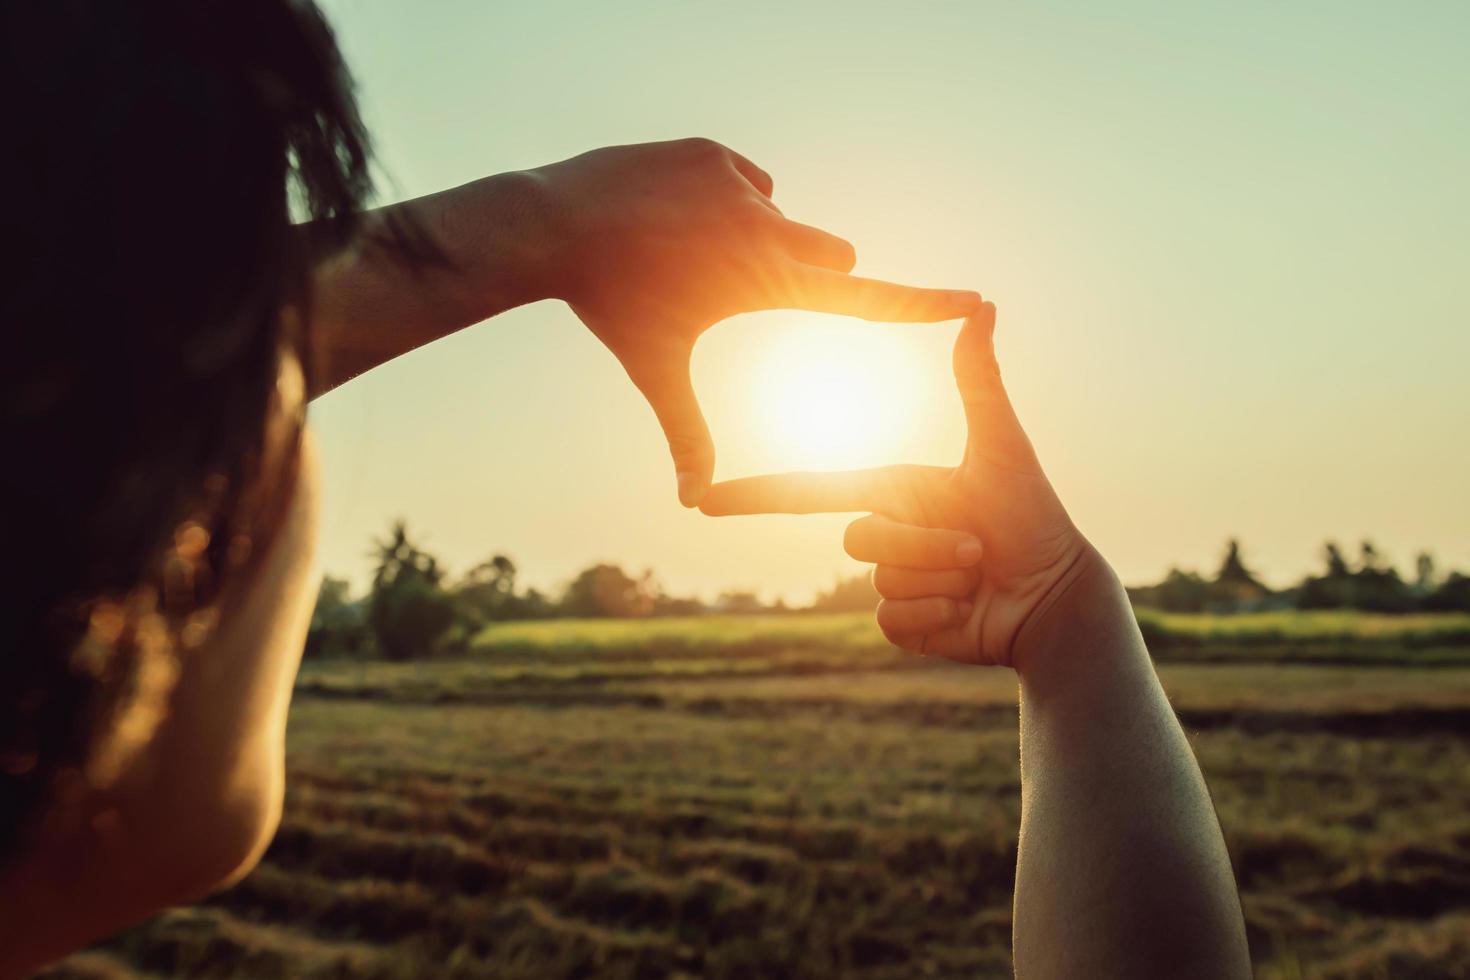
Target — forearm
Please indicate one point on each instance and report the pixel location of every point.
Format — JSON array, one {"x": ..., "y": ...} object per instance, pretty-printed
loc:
[
  {"x": 1123, "y": 871},
  {"x": 369, "y": 305}
]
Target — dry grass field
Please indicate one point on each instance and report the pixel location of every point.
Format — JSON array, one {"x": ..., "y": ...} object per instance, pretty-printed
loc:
[{"x": 787, "y": 797}]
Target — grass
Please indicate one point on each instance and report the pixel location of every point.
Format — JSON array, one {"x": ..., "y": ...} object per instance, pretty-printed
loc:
[
  {"x": 1326, "y": 634},
  {"x": 577, "y": 637},
  {"x": 787, "y": 797}
]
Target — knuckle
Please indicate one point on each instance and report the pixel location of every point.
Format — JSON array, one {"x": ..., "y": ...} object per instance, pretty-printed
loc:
[
  {"x": 703, "y": 147},
  {"x": 748, "y": 215},
  {"x": 886, "y": 581},
  {"x": 690, "y": 446}
]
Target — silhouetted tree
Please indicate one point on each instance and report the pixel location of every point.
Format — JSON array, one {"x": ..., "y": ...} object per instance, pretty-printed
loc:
[
  {"x": 338, "y": 627},
  {"x": 409, "y": 612},
  {"x": 739, "y": 602},
  {"x": 855, "y": 594},
  {"x": 607, "y": 590},
  {"x": 1425, "y": 578},
  {"x": 1376, "y": 586},
  {"x": 1182, "y": 591},
  {"x": 488, "y": 592},
  {"x": 1369, "y": 558},
  {"x": 668, "y": 605},
  {"x": 535, "y": 605},
  {"x": 397, "y": 555},
  {"x": 1232, "y": 568},
  {"x": 1235, "y": 586},
  {"x": 1332, "y": 589},
  {"x": 1452, "y": 595}
]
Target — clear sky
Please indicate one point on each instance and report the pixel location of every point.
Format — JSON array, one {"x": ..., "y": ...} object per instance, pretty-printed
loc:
[{"x": 1229, "y": 244}]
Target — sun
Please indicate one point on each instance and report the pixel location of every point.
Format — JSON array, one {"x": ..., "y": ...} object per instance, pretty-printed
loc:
[{"x": 833, "y": 396}]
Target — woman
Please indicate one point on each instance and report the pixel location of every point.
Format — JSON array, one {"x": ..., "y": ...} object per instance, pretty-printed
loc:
[
  {"x": 187, "y": 264},
  {"x": 167, "y": 322}
]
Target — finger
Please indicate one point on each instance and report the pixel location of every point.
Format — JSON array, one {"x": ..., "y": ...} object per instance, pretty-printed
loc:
[
  {"x": 994, "y": 431},
  {"x": 894, "y": 582},
  {"x": 952, "y": 643},
  {"x": 817, "y": 247},
  {"x": 794, "y": 493},
  {"x": 949, "y": 642},
  {"x": 904, "y": 617},
  {"x": 758, "y": 178},
  {"x": 912, "y": 642},
  {"x": 879, "y": 540},
  {"x": 829, "y": 291},
  {"x": 814, "y": 493},
  {"x": 671, "y": 395}
]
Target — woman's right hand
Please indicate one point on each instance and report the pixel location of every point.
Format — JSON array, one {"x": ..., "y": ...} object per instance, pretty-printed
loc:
[
  {"x": 970, "y": 558},
  {"x": 653, "y": 244}
]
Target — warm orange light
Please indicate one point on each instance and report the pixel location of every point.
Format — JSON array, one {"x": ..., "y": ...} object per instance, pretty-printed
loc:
[{"x": 829, "y": 394}]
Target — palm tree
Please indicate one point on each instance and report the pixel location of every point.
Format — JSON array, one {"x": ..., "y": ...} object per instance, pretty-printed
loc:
[{"x": 397, "y": 554}]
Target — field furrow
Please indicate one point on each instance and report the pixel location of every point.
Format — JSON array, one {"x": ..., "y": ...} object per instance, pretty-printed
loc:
[{"x": 663, "y": 815}]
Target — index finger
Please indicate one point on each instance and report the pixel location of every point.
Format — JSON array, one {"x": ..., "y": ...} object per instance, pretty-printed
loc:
[
  {"x": 795, "y": 493},
  {"x": 890, "y": 490},
  {"x": 828, "y": 291}
]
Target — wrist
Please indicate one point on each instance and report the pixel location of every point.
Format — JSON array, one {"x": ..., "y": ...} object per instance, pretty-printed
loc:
[
  {"x": 535, "y": 244},
  {"x": 499, "y": 233},
  {"x": 554, "y": 246},
  {"x": 1084, "y": 609}
]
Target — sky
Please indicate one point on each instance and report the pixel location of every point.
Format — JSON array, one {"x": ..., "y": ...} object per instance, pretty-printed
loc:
[{"x": 1229, "y": 246}]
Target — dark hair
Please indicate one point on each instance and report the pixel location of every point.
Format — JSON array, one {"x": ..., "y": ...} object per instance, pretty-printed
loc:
[{"x": 156, "y": 152}]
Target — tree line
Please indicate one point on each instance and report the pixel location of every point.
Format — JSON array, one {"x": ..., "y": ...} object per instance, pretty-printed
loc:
[
  {"x": 414, "y": 609},
  {"x": 1369, "y": 584}
]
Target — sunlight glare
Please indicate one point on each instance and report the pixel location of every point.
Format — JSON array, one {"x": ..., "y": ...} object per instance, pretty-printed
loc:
[{"x": 833, "y": 398}]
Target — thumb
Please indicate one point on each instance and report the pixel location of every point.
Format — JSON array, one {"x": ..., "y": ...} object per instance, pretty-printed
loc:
[
  {"x": 995, "y": 434},
  {"x": 670, "y": 393}
]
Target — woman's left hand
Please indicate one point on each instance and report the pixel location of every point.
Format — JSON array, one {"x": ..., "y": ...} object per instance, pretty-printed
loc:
[{"x": 970, "y": 558}]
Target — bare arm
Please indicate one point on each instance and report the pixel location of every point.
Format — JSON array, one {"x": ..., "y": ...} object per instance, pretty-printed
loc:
[
  {"x": 650, "y": 245},
  {"x": 193, "y": 807},
  {"x": 370, "y": 306},
  {"x": 1123, "y": 870}
]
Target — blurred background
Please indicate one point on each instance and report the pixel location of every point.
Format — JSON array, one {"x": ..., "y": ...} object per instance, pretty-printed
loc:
[{"x": 1228, "y": 245}]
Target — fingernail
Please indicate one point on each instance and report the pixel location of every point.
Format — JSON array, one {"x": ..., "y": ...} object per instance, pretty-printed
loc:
[
  {"x": 690, "y": 488},
  {"x": 968, "y": 551}
]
